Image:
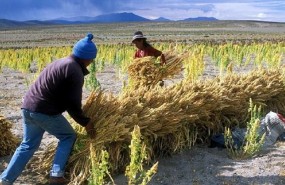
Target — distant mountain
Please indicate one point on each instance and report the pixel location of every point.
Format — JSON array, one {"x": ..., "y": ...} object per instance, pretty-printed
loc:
[
  {"x": 161, "y": 19},
  {"x": 11, "y": 23},
  {"x": 74, "y": 19},
  {"x": 106, "y": 18},
  {"x": 119, "y": 17},
  {"x": 201, "y": 19}
]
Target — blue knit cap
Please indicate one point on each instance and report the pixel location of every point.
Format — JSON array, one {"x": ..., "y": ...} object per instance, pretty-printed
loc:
[{"x": 85, "y": 48}]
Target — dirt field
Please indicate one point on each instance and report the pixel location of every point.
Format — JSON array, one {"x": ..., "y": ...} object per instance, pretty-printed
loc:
[
  {"x": 199, "y": 165},
  {"x": 186, "y": 32}
]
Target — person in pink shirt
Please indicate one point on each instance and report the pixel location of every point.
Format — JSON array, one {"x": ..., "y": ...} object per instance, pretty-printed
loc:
[{"x": 144, "y": 49}]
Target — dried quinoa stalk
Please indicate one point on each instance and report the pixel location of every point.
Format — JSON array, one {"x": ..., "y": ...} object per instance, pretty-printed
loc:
[{"x": 8, "y": 142}]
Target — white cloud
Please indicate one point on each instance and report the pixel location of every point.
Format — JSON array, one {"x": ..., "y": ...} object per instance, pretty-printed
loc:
[
  {"x": 223, "y": 10},
  {"x": 261, "y": 15},
  {"x": 244, "y": 11}
]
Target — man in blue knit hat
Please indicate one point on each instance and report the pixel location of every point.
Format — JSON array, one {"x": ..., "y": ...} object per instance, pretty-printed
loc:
[{"x": 57, "y": 89}]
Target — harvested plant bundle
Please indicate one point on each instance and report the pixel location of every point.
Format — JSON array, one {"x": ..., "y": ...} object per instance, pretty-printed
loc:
[
  {"x": 148, "y": 71},
  {"x": 8, "y": 142},
  {"x": 172, "y": 118}
]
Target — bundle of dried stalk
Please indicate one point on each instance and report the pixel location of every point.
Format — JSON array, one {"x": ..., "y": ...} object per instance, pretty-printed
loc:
[
  {"x": 148, "y": 71},
  {"x": 171, "y": 118},
  {"x": 8, "y": 142}
]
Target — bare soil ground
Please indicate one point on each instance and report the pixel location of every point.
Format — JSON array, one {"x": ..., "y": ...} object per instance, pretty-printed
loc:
[{"x": 199, "y": 165}]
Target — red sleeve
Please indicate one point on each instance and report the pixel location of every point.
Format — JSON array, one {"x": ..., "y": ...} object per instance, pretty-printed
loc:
[
  {"x": 154, "y": 52},
  {"x": 150, "y": 51}
]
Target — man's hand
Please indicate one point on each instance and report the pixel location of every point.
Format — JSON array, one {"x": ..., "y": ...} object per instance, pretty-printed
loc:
[{"x": 90, "y": 130}]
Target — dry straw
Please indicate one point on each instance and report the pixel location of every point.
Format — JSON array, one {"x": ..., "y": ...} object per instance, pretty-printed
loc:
[
  {"x": 171, "y": 119},
  {"x": 148, "y": 71},
  {"x": 8, "y": 142}
]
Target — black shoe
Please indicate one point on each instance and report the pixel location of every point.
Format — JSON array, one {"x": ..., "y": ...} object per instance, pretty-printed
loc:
[
  {"x": 161, "y": 83},
  {"x": 58, "y": 181}
]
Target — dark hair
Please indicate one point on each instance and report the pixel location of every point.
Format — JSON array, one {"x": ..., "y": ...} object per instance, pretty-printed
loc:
[{"x": 145, "y": 43}]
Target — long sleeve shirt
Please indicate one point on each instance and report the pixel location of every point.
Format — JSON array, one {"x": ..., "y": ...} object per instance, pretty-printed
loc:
[
  {"x": 58, "y": 89},
  {"x": 149, "y": 51}
]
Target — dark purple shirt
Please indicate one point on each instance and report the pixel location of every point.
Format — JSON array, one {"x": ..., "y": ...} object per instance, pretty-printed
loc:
[{"x": 58, "y": 89}]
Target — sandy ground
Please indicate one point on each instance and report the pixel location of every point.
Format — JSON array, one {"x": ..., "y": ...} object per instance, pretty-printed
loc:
[{"x": 199, "y": 165}]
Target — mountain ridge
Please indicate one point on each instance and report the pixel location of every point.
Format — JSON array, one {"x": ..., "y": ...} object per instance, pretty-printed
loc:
[{"x": 104, "y": 18}]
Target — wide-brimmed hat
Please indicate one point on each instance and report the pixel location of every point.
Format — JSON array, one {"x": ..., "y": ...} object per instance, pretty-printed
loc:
[{"x": 138, "y": 35}]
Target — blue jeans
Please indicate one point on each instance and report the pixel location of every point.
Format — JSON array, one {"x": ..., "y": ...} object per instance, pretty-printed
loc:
[{"x": 34, "y": 126}]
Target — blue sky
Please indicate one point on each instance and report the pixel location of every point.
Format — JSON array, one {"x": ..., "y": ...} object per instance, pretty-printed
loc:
[{"x": 264, "y": 10}]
